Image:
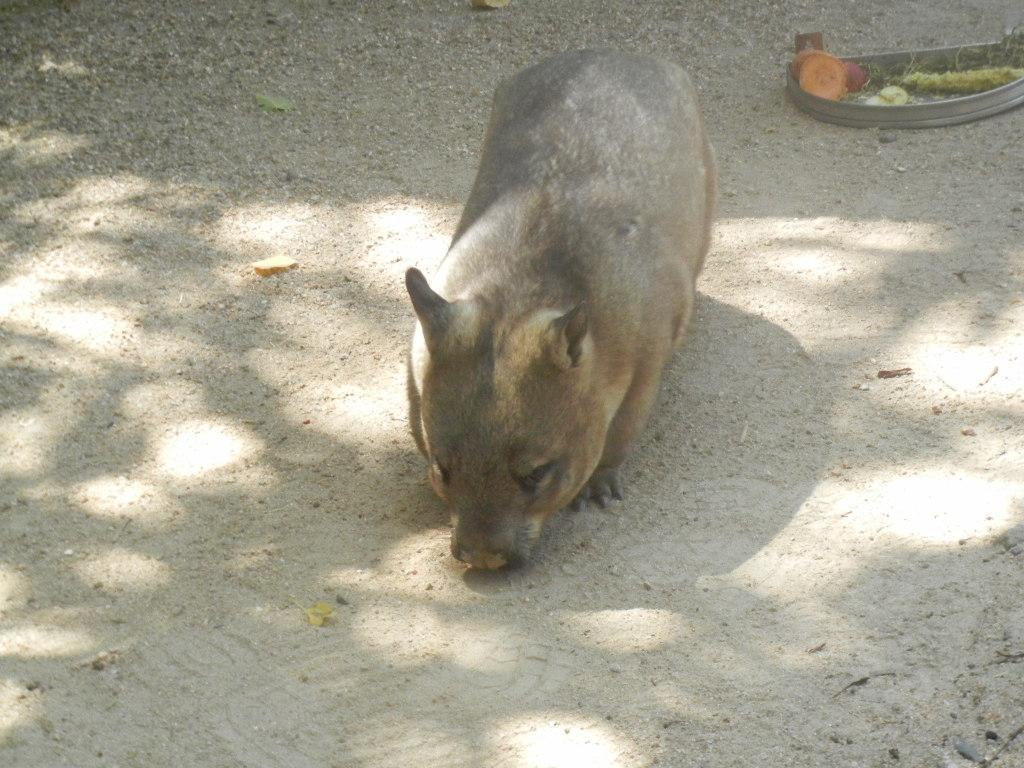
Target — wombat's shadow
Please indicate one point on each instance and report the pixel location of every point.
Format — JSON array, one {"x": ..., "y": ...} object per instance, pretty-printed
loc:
[{"x": 735, "y": 445}]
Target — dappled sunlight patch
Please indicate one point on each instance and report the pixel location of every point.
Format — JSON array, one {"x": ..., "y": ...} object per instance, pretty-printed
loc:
[
  {"x": 805, "y": 267},
  {"x": 931, "y": 508},
  {"x": 34, "y": 147},
  {"x": 409, "y": 634},
  {"x": 410, "y": 565},
  {"x": 35, "y": 641},
  {"x": 407, "y": 233},
  {"x": 123, "y": 569},
  {"x": 627, "y": 630},
  {"x": 98, "y": 201},
  {"x": 973, "y": 370},
  {"x": 356, "y": 412},
  {"x": 405, "y": 633},
  {"x": 557, "y": 740},
  {"x": 23, "y": 291},
  {"x": 122, "y": 497},
  {"x": 102, "y": 330},
  {"x": 812, "y": 266},
  {"x": 20, "y": 293},
  {"x": 26, "y": 437},
  {"x": 67, "y": 68},
  {"x": 17, "y": 706},
  {"x": 821, "y": 253},
  {"x": 198, "y": 447},
  {"x": 112, "y": 190},
  {"x": 410, "y": 233},
  {"x": 13, "y": 588},
  {"x": 277, "y": 227},
  {"x": 830, "y": 235}
]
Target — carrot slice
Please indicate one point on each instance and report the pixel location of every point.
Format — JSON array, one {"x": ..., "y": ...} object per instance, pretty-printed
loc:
[
  {"x": 800, "y": 58},
  {"x": 824, "y": 75}
]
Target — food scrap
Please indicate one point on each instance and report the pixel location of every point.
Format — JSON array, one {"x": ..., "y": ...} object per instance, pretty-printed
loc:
[
  {"x": 319, "y": 614},
  {"x": 273, "y": 103},
  {"x": 273, "y": 265},
  {"x": 965, "y": 82},
  {"x": 856, "y": 77},
  {"x": 823, "y": 75},
  {"x": 890, "y": 96}
]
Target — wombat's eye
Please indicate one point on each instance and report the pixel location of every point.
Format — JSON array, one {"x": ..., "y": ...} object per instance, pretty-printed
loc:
[
  {"x": 530, "y": 482},
  {"x": 442, "y": 472}
]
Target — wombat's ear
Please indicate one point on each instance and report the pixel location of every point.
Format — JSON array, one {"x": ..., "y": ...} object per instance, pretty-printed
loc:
[
  {"x": 432, "y": 309},
  {"x": 570, "y": 330}
]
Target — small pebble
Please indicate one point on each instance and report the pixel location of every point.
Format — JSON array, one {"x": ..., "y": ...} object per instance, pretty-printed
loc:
[
  {"x": 991, "y": 735},
  {"x": 966, "y": 750}
]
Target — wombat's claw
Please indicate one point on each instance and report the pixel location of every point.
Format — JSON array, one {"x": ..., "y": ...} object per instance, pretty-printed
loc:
[
  {"x": 579, "y": 504},
  {"x": 603, "y": 487}
]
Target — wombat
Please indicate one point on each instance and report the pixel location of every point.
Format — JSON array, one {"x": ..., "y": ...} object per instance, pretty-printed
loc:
[{"x": 569, "y": 281}]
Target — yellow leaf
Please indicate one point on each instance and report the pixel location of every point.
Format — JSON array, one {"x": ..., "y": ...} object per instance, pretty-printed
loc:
[
  {"x": 319, "y": 614},
  {"x": 273, "y": 265},
  {"x": 490, "y": 3}
]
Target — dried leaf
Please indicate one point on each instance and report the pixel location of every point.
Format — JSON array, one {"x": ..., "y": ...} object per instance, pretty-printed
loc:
[
  {"x": 273, "y": 103},
  {"x": 490, "y": 3},
  {"x": 273, "y": 265},
  {"x": 319, "y": 614},
  {"x": 103, "y": 660},
  {"x": 893, "y": 373}
]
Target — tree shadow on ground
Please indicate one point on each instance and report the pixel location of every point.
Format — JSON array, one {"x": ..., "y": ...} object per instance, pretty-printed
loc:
[{"x": 666, "y": 628}]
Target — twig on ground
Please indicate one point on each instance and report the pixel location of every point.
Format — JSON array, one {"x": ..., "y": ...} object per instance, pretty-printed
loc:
[
  {"x": 862, "y": 681},
  {"x": 1009, "y": 739}
]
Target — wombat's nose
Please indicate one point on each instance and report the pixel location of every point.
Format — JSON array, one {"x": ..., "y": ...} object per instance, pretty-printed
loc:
[{"x": 486, "y": 560}]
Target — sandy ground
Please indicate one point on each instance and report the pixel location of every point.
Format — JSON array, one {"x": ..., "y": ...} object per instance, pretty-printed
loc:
[{"x": 813, "y": 566}]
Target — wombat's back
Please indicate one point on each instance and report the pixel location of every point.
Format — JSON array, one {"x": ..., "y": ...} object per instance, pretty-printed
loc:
[{"x": 595, "y": 130}]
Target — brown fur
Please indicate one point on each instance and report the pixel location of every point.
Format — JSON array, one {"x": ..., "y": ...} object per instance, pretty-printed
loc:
[{"x": 569, "y": 282}]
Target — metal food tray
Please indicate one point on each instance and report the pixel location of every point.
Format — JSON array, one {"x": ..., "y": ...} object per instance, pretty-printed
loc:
[{"x": 959, "y": 109}]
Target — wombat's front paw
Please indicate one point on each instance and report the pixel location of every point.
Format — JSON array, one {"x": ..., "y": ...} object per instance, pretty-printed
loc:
[{"x": 604, "y": 486}]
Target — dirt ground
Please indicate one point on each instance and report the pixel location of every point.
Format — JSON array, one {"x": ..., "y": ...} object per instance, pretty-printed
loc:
[{"x": 813, "y": 566}]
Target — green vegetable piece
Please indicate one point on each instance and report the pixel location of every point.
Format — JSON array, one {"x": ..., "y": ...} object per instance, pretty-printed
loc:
[
  {"x": 273, "y": 103},
  {"x": 967, "y": 81}
]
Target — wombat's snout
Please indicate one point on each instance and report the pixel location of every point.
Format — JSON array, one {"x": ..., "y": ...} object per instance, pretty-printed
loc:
[{"x": 485, "y": 552}]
